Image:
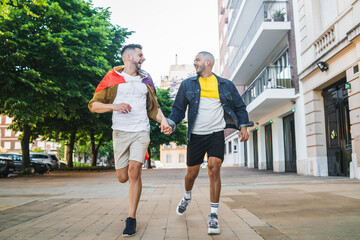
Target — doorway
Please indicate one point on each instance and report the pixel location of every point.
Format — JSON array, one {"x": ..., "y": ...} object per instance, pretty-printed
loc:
[
  {"x": 245, "y": 155},
  {"x": 255, "y": 148},
  {"x": 337, "y": 124},
  {"x": 289, "y": 143},
  {"x": 269, "y": 147}
]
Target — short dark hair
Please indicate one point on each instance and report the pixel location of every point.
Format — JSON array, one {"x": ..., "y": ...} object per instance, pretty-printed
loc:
[
  {"x": 207, "y": 55},
  {"x": 130, "y": 46}
]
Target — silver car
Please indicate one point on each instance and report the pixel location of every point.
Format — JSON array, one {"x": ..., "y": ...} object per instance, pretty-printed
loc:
[{"x": 49, "y": 159}]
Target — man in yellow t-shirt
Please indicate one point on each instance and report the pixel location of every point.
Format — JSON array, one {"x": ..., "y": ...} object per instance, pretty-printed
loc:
[{"x": 213, "y": 105}]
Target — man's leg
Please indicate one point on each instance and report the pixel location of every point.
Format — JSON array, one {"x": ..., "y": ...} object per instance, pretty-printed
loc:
[
  {"x": 135, "y": 186},
  {"x": 214, "y": 165},
  {"x": 216, "y": 156},
  {"x": 192, "y": 173},
  {"x": 122, "y": 174}
]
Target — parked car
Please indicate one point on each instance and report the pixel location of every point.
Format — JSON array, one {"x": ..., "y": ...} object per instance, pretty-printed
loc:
[
  {"x": 63, "y": 164},
  {"x": 35, "y": 167},
  {"x": 6, "y": 166},
  {"x": 49, "y": 159}
]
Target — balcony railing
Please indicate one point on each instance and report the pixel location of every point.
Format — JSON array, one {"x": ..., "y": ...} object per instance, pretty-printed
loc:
[
  {"x": 234, "y": 14},
  {"x": 268, "y": 12},
  {"x": 269, "y": 78}
]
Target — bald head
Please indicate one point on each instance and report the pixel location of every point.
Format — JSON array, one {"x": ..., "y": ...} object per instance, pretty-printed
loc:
[{"x": 208, "y": 57}]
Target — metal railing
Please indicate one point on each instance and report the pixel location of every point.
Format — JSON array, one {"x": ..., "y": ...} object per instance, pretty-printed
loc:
[
  {"x": 268, "y": 12},
  {"x": 234, "y": 14},
  {"x": 269, "y": 78}
]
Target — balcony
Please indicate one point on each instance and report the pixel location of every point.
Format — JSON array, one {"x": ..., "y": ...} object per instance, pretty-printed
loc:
[
  {"x": 233, "y": 4},
  {"x": 268, "y": 28},
  {"x": 270, "y": 90}
]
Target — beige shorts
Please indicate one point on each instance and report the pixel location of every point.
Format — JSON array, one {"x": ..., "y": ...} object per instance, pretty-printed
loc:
[{"x": 129, "y": 146}]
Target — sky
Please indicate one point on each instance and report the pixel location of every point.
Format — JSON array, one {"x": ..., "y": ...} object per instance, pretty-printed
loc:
[{"x": 167, "y": 27}]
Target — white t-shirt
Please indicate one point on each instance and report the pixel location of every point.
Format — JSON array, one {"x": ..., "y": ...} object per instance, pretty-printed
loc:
[
  {"x": 210, "y": 117},
  {"x": 134, "y": 93}
]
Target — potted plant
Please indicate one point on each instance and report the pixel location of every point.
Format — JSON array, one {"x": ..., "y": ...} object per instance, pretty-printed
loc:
[{"x": 278, "y": 16}]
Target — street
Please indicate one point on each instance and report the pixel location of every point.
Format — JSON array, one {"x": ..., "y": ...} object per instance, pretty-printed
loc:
[{"x": 254, "y": 205}]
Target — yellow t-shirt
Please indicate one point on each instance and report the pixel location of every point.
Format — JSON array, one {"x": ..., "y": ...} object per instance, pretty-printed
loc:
[
  {"x": 209, "y": 87},
  {"x": 210, "y": 116}
]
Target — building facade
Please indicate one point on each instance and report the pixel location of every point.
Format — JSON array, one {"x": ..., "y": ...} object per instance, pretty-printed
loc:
[
  {"x": 258, "y": 52},
  {"x": 328, "y": 49},
  {"x": 9, "y": 140}
]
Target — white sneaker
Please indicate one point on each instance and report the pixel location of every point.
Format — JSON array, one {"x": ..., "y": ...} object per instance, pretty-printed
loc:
[
  {"x": 181, "y": 207},
  {"x": 213, "y": 224}
]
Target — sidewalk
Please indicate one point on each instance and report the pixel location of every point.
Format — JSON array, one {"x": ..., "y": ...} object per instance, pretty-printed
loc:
[{"x": 254, "y": 205}]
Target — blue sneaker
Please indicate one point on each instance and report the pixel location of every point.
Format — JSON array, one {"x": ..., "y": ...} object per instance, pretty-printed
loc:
[{"x": 130, "y": 229}]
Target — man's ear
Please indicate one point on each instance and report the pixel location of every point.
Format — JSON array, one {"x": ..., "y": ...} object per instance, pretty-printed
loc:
[{"x": 128, "y": 57}]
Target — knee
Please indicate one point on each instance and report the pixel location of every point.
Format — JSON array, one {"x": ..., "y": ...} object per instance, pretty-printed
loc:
[
  {"x": 122, "y": 178},
  {"x": 214, "y": 171},
  {"x": 191, "y": 176},
  {"x": 134, "y": 174}
]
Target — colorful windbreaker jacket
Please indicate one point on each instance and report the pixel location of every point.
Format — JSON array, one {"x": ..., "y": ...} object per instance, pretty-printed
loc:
[{"x": 107, "y": 89}]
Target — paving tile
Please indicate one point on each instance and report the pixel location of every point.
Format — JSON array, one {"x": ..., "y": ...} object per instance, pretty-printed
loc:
[{"x": 254, "y": 205}]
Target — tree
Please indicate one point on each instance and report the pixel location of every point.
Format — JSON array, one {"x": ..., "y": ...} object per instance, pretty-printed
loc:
[
  {"x": 156, "y": 137},
  {"x": 26, "y": 93},
  {"x": 53, "y": 54}
]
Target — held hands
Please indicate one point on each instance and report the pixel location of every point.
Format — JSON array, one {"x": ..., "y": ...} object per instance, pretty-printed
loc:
[
  {"x": 165, "y": 127},
  {"x": 122, "y": 107},
  {"x": 243, "y": 134}
]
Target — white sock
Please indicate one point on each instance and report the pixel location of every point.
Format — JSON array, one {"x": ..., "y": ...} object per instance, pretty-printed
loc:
[
  {"x": 214, "y": 207},
  {"x": 187, "y": 195}
]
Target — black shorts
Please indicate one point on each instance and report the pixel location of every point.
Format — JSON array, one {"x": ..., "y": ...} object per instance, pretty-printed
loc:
[{"x": 212, "y": 144}]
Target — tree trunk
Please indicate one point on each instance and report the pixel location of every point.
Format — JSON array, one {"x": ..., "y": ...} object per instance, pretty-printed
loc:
[
  {"x": 25, "y": 147},
  {"x": 71, "y": 149},
  {"x": 149, "y": 159},
  {"x": 94, "y": 150}
]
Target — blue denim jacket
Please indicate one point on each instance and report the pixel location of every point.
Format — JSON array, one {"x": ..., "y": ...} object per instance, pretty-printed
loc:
[{"x": 235, "y": 113}]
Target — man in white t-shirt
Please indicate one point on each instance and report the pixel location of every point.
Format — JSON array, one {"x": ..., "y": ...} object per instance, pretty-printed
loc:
[{"x": 129, "y": 93}]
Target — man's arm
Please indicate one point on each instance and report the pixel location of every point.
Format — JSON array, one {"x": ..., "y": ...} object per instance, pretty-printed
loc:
[
  {"x": 99, "y": 107},
  {"x": 164, "y": 125},
  {"x": 239, "y": 107},
  {"x": 179, "y": 107},
  {"x": 241, "y": 113}
]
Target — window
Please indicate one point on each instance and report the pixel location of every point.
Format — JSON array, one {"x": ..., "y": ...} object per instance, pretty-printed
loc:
[
  {"x": 328, "y": 12},
  {"x": 168, "y": 158},
  {"x": 7, "y": 145},
  {"x": 38, "y": 156},
  {"x": 181, "y": 158},
  {"x": 230, "y": 147},
  {"x": 225, "y": 148},
  {"x": 282, "y": 69},
  {"x": 8, "y": 120},
  {"x": 7, "y": 133},
  {"x": 17, "y": 145}
]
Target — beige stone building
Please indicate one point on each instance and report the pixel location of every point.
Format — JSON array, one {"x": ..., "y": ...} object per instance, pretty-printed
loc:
[{"x": 328, "y": 49}]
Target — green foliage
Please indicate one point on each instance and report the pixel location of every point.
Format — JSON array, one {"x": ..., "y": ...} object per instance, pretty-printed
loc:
[
  {"x": 52, "y": 56},
  {"x": 158, "y": 138},
  {"x": 25, "y": 171}
]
